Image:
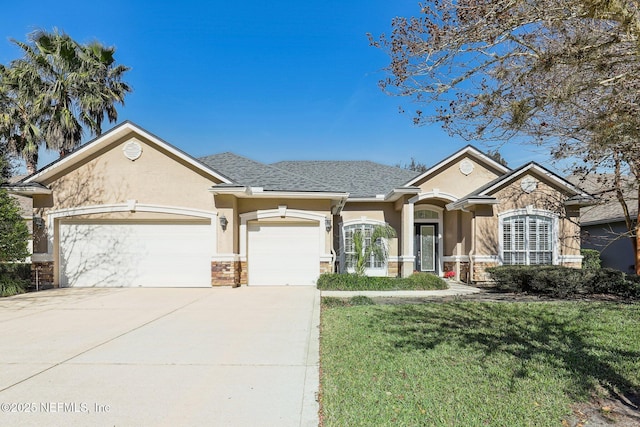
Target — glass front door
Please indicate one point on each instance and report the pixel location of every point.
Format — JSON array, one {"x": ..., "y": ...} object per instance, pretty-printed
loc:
[{"x": 427, "y": 248}]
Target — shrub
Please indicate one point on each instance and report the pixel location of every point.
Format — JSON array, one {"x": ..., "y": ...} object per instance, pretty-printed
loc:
[
  {"x": 511, "y": 278},
  {"x": 559, "y": 281},
  {"x": 14, "y": 233},
  {"x": 353, "y": 282},
  {"x": 425, "y": 281},
  {"x": 590, "y": 259},
  {"x": 14, "y": 278}
]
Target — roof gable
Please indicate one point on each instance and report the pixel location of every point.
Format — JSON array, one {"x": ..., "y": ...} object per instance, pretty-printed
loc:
[
  {"x": 468, "y": 151},
  {"x": 532, "y": 168},
  {"x": 486, "y": 193},
  {"x": 92, "y": 147}
]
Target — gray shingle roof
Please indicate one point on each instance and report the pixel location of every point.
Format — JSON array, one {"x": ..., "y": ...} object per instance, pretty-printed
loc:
[
  {"x": 608, "y": 208},
  {"x": 250, "y": 173},
  {"x": 358, "y": 178}
]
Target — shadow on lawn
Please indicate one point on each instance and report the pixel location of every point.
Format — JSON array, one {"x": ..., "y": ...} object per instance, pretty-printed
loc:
[{"x": 527, "y": 332}]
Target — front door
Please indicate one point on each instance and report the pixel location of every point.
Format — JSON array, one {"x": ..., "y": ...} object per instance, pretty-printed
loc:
[{"x": 426, "y": 247}]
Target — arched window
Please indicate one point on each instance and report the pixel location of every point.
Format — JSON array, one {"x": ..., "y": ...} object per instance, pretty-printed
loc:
[
  {"x": 374, "y": 265},
  {"x": 527, "y": 239},
  {"x": 426, "y": 214}
]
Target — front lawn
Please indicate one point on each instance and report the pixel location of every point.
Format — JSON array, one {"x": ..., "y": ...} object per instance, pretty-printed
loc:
[{"x": 474, "y": 364}]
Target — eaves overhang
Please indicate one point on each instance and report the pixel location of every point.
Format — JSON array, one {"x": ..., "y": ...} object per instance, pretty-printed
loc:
[
  {"x": 28, "y": 190},
  {"x": 397, "y": 193},
  {"x": 581, "y": 200},
  {"x": 391, "y": 196},
  {"x": 466, "y": 203},
  {"x": 259, "y": 192}
]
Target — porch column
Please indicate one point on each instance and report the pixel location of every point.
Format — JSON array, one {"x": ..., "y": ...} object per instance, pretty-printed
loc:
[{"x": 407, "y": 258}]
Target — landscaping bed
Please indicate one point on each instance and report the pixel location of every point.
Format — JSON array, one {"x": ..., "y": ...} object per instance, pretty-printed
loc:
[{"x": 354, "y": 282}]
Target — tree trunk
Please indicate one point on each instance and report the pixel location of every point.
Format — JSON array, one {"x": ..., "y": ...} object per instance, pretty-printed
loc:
[
  {"x": 636, "y": 238},
  {"x": 31, "y": 163}
]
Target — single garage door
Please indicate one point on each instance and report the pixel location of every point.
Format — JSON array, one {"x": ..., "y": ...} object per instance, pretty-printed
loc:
[
  {"x": 137, "y": 254},
  {"x": 283, "y": 254}
]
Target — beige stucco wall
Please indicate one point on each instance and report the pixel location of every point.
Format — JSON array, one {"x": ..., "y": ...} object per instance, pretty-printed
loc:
[
  {"x": 450, "y": 180},
  {"x": 108, "y": 177},
  {"x": 545, "y": 197},
  {"x": 375, "y": 211}
]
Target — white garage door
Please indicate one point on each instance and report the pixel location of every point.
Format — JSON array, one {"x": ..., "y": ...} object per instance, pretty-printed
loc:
[
  {"x": 135, "y": 254},
  {"x": 280, "y": 254}
]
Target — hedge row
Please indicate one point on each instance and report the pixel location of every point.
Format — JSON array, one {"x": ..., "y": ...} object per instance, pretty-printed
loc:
[
  {"x": 562, "y": 282},
  {"x": 14, "y": 278},
  {"x": 353, "y": 282}
]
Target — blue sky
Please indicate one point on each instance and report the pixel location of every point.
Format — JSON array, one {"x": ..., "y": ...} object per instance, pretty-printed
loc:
[{"x": 270, "y": 80}]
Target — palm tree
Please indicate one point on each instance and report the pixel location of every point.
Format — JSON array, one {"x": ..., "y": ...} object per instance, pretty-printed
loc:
[
  {"x": 76, "y": 85},
  {"x": 105, "y": 88},
  {"x": 22, "y": 110},
  {"x": 376, "y": 247}
]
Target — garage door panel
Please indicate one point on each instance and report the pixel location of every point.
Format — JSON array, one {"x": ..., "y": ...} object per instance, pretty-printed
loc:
[
  {"x": 283, "y": 254},
  {"x": 123, "y": 255}
]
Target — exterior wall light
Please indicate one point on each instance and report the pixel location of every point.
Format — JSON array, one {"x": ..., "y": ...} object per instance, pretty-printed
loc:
[
  {"x": 223, "y": 222},
  {"x": 327, "y": 224}
]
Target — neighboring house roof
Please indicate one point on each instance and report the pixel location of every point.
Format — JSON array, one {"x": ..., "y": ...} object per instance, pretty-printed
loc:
[
  {"x": 250, "y": 173},
  {"x": 358, "y": 178},
  {"x": 26, "y": 203},
  {"x": 609, "y": 208},
  {"x": 483, "y": 195}
]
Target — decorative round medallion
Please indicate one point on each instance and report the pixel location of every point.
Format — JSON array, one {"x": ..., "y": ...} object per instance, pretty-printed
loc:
[
  {"x": 132, "y": 150},
  {"x": 528, "y": 184},
  {"x": 466, "y": 167}
]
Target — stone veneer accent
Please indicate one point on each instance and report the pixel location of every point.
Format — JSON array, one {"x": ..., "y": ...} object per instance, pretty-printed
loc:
[
  {"x": 42, "y": 273},
  {"x": 462, "y": 266},
  {"x": 243, "y": 273},
  {"x": 325, "y": 267},
  {"x": 393, "y": 268},
  {"x": 234, "y": 273},
  {"x": 479, "y": 273},
  {"x": 226, "y": 273}
]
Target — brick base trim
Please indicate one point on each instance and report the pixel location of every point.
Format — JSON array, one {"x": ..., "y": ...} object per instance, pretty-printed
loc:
[
  {"x": 226, "y": 273},
  {"x": 42, "y": 274}
]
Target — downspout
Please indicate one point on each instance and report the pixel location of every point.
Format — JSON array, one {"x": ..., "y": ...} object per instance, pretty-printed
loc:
[{"x": 473, "y": 245}]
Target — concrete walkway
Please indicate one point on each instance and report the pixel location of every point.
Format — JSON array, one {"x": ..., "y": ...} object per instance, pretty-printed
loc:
[
  {"x": 455, "y": 288},
  {"x": 160, "y": 357}
]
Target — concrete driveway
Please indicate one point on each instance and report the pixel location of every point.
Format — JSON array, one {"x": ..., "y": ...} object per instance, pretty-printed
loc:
[{"x": 160, "y": 357}]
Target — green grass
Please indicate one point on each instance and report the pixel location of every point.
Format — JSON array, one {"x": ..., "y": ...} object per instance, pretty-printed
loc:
[{"x": 473, "y": 364}]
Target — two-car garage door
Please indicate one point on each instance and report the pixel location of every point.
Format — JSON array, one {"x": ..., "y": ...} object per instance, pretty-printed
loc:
[{"x": 126, "y": 254}]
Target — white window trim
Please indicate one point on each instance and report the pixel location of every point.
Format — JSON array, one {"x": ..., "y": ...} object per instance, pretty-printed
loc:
[
  {"x": 530, "y": 211},
  {"x": 371, "y": 271}
]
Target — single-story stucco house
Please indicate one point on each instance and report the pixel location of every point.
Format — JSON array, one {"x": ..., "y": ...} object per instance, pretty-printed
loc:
[{"x": 129, "y": 209}]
